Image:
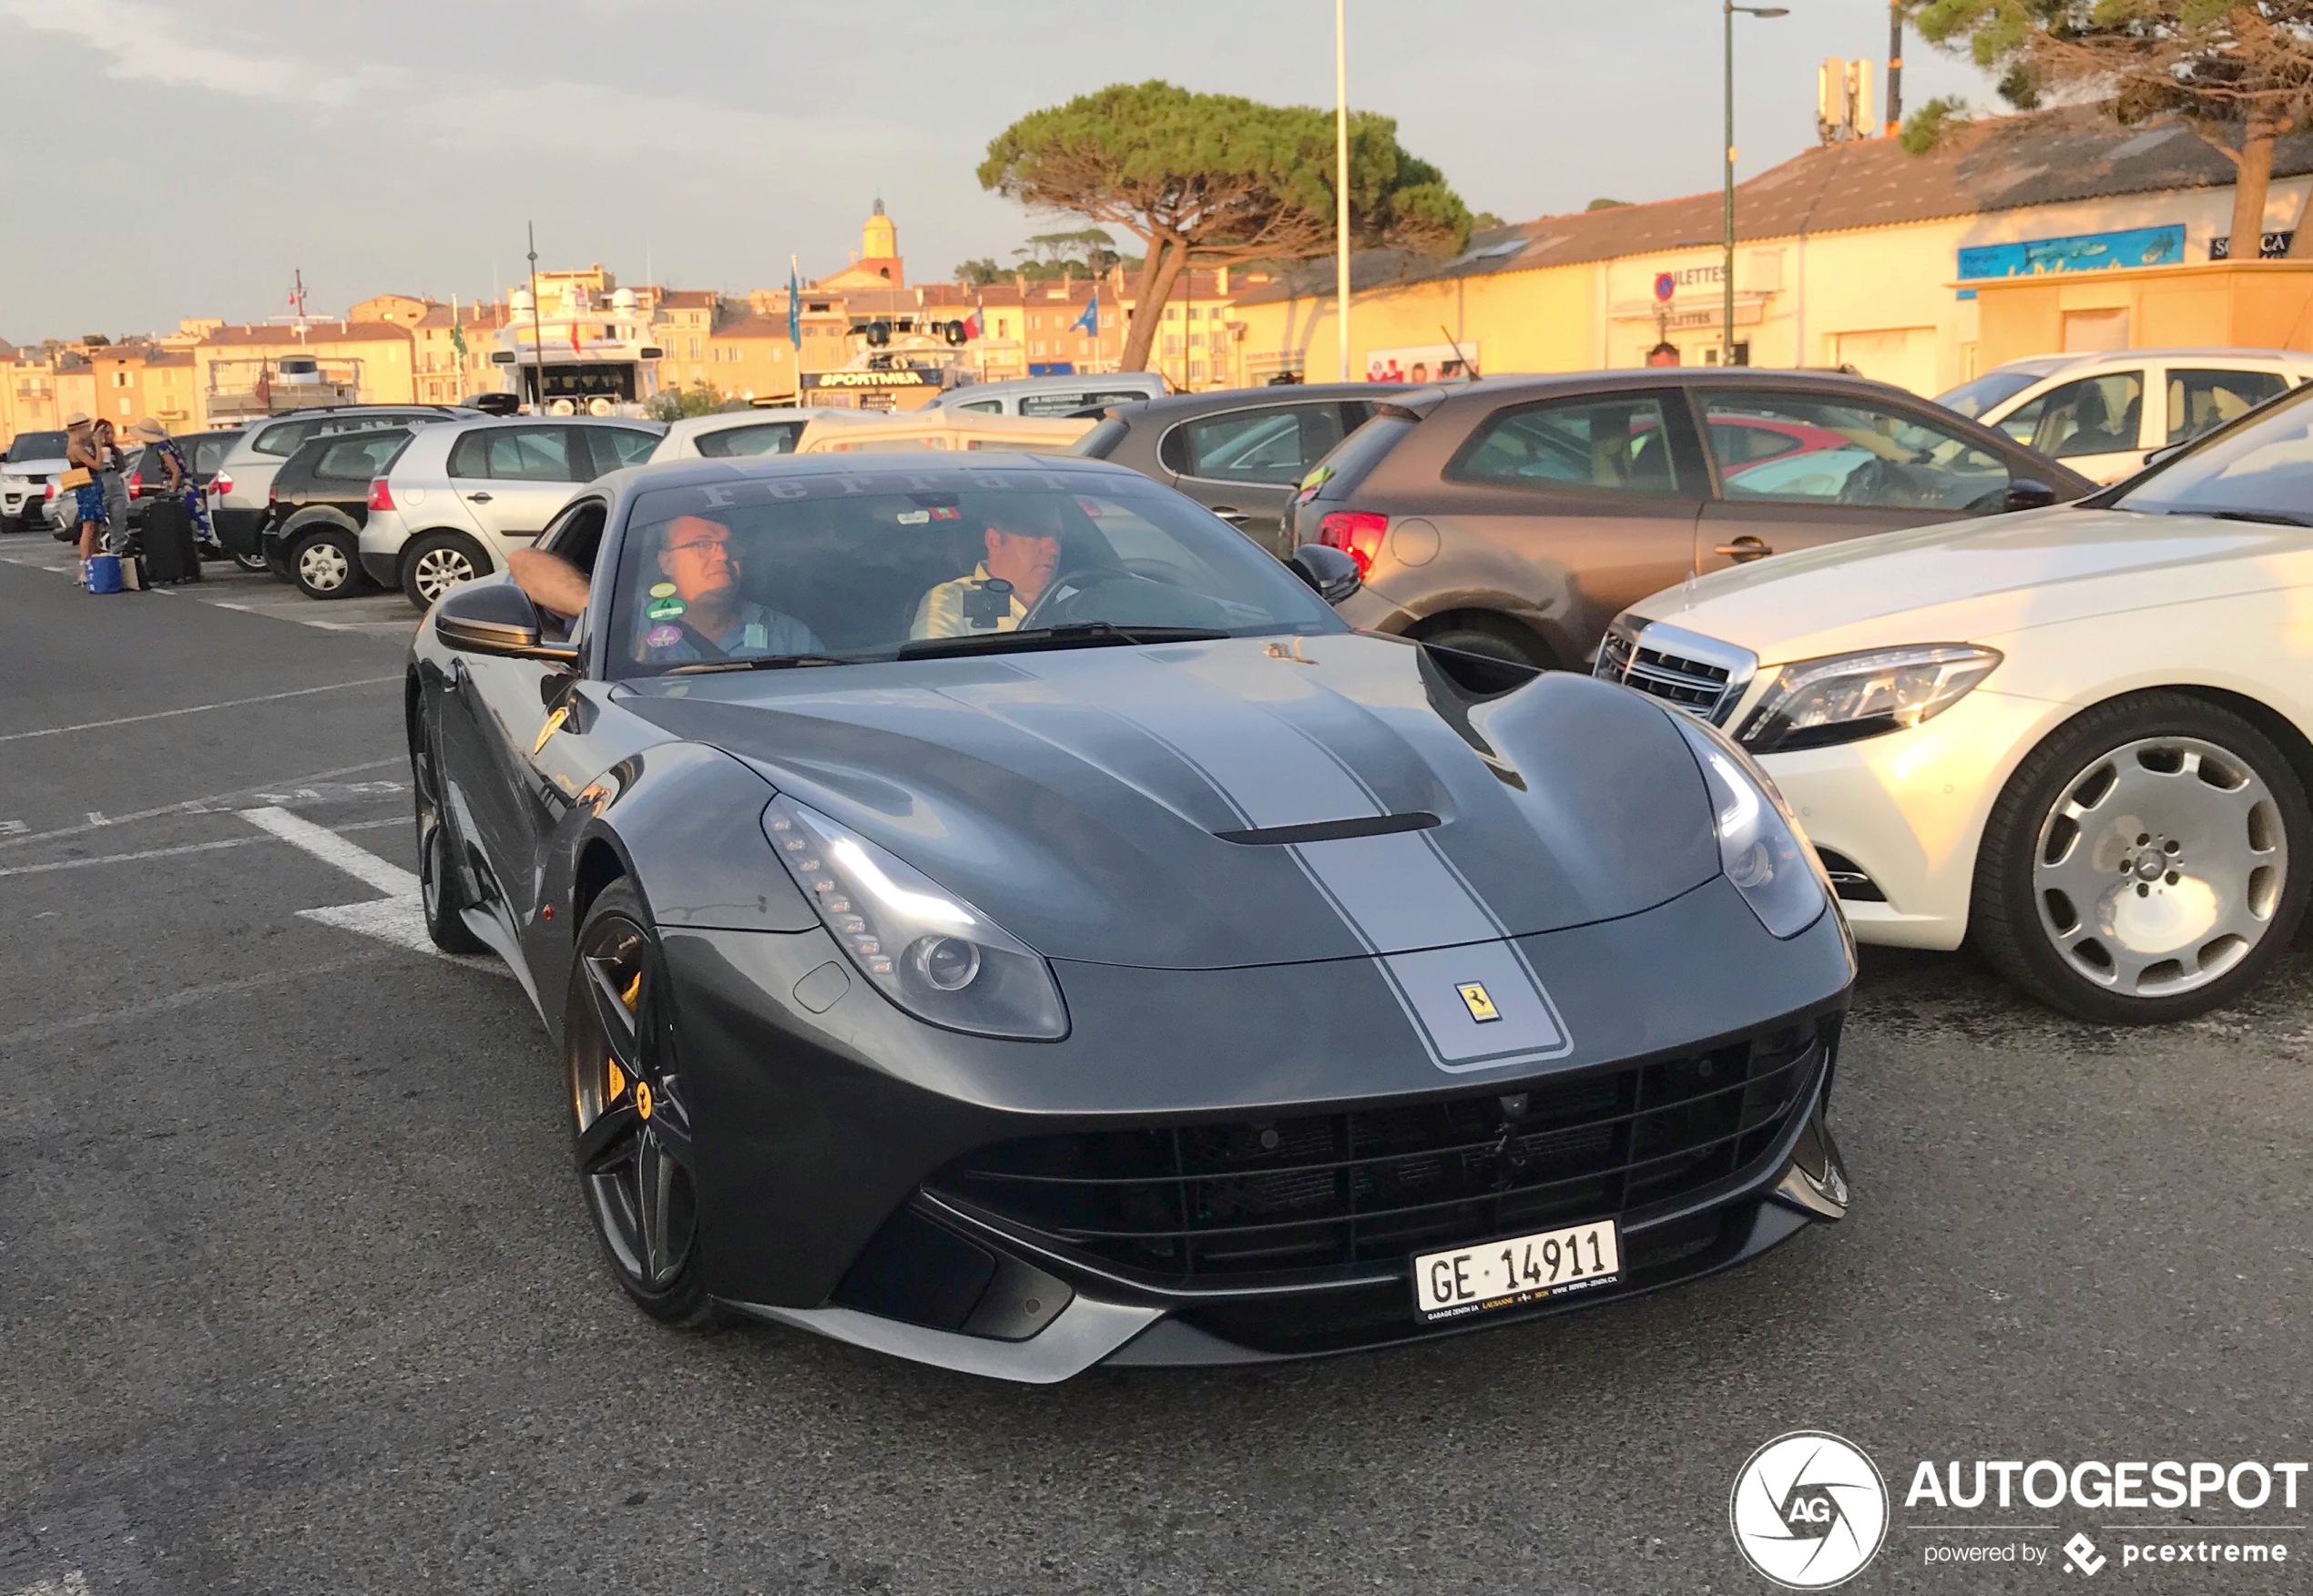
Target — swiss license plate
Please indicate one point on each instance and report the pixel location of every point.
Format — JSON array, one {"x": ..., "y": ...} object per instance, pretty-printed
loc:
[{"x": 1517, "y": 1270}]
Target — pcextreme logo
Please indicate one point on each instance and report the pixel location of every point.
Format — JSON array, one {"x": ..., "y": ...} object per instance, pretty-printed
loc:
[{"x": 1809, "y": 1511}]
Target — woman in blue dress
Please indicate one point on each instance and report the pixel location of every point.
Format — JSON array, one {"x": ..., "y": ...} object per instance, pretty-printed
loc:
[{"x": 162, "y": 456}]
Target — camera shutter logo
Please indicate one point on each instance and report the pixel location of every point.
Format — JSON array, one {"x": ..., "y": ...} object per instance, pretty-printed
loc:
[{"x": 1809, "y": 1511}]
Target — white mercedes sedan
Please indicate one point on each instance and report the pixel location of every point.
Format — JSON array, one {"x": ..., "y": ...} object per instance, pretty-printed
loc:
[{"x": 2078, "y": 735}]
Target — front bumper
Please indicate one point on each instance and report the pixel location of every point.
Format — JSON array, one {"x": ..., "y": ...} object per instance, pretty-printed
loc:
[
  {"x": 830, "y": 1142},
  {"x": 1908, "y": 810}
]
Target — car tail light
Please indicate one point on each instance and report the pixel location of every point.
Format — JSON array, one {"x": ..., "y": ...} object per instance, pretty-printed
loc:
[
  {"x": 1357, "y": 534},
  {"x": 220, "y": 484},
  {"x": 272, "y": 492},
  {"x": 381, "y": 496},
  {"x": 48, "y": 492},
  {"x": 135, "y": 483}
]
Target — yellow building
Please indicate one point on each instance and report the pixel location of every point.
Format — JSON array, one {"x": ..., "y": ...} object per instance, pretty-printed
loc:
[
  {"x": 361, "y": 362},
  {"x": 1854, "y": 254}
]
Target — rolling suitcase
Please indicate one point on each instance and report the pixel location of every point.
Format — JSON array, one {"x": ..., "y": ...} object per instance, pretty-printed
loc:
[{"x": 170, "y": 554}]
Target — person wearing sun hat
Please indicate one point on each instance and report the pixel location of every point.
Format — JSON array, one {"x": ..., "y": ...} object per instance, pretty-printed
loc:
[
  {"x": 161, "y": 451},
  {"x": 81, "y": 449}
]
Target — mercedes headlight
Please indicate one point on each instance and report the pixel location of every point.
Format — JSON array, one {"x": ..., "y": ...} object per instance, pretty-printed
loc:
[
  {"x": 1845, "y": 696},
  {"x": 1759, "y": 846},
  {"x": 927, "y": 950}
]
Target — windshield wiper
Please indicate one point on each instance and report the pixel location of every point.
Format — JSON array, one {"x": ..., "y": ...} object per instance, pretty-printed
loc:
[
  {"x": 2269, "y": 518},
  {"x": 1078, "y": 634},
  {"x": 770, "y": 662}
]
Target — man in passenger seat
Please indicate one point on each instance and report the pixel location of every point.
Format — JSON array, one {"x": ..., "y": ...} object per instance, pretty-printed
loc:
[{"x": 1023, "y": 543}]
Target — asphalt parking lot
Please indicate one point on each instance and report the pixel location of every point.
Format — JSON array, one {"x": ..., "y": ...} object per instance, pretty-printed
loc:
[{"x": 296, "y": 1294}]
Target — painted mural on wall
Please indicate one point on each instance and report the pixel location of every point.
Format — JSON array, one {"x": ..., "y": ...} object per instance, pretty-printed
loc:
[{"x": 2162, "y": 246}]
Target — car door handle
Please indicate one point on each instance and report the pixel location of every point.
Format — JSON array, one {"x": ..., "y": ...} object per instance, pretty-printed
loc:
[
  {"x": 1234, "y": 517},
  {"x": 479, "y": 498},
  {"x": 1744, "y": 548}
]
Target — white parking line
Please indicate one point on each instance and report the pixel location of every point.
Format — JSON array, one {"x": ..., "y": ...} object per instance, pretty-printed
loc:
[
  {"x": 398, "y": 918},
  {"x": 123, "y": 858},
  {"x": 57, "y": 731},
  {"x": 327, "y": 846},
  {"x": 199, "y": 805}
]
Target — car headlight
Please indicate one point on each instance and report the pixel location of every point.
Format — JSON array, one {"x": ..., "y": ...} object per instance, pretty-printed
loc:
[
  {"x": 927, "y": 950},
  {"x": 1759, "y": 844},
  {"x": 1845, "y": 696}
]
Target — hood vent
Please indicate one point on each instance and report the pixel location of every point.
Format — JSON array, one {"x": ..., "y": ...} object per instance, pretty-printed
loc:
[{"x": 1332, "y": 830}]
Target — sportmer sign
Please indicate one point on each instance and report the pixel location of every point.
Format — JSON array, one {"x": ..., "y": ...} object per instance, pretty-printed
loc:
[
  {"x": 1809, "y": 1510},
  {"x": 909, "y": 377}
]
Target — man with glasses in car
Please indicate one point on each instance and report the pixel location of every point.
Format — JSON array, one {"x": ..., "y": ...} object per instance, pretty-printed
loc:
[{"x": 694, "y": 613}]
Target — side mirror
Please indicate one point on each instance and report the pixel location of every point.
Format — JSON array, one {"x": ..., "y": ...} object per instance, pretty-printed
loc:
[
  {"x": 1331, "y": 575},
  {"x": 2026, "y": 493},
  {"x": 2168, "y": 452},
  {"x": 495, "y": 618}
]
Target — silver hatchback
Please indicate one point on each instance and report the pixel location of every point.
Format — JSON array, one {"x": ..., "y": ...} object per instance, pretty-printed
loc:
[{"x": 463, "y": 495}]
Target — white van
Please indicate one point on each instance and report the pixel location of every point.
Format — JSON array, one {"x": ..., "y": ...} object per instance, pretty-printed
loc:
[{"x": 2102, "y": 413}]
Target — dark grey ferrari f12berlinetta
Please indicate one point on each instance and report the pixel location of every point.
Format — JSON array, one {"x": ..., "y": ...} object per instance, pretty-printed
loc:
[{"x": 991, "y": 912}]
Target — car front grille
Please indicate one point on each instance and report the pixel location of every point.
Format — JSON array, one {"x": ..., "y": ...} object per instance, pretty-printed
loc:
[
  {"x": 1704, "y": 687},
  {"x": 1306, "y": 1196}
]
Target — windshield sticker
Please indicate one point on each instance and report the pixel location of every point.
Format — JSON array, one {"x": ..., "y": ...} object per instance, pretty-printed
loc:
[
  {"x": 663, "y": 636},
  {"x": 662, "y": 590},
  {"x": 912, "y": 517},
  {"x": 665, "y": 609},
  {"x": 946, "y": 513}
]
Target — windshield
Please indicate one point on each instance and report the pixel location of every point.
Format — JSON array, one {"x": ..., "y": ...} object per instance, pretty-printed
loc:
[
  {"x": 1972, "y": 399},
  {"x": 37, "y": 446},
  {"x": 861, "y": 566},
  {"x": 2263, "y": 469}
]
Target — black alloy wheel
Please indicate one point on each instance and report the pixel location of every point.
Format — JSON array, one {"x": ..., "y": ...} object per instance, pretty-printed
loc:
[
  {"x": 438, "y": 886},
  {"x": 632, "y": 1127}
]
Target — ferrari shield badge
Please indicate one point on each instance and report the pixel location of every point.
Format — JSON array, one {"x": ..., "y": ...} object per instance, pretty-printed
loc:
[{"x": 1474, "y": 998}]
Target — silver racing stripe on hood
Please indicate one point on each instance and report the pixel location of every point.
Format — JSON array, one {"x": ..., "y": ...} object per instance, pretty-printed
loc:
[{"x": 1283, "y": 777}]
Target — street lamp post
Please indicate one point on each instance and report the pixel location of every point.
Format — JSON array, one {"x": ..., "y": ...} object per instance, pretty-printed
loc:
[
  {"x": 1341, "y": 181},
  {"x": 1727, "y": 282}
]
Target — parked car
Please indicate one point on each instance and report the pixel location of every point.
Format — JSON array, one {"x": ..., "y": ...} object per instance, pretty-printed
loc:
[
  {"x": 2080, "y": 737},
  {"x": 320, "y": 501},
  {"x": 1053, "y": 396},
  {"x": 32, "y": 461},
  {"x": 730, "y": 435},
  {"x": 2102, "y": 413},
  {"x": 1175, "y": 979},
  {"x": 461, "y": 495},
  {"x": 238, "y": 493},
  {"x": 1241, "y": 453},
  {"x": 204, "y": 455},
  {"x": 1508, "y": 520}
]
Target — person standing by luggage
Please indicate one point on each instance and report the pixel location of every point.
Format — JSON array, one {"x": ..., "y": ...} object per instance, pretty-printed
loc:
[
  {"x": 88, "y": 498},
  {"x": 115, "y": 481},
  {"x": 162, "y": 451}
]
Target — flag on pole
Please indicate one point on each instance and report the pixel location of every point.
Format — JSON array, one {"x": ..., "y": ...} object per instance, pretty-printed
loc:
[
  {"x": 795, "y": 305},
  {"x": 574, "y": 337},
  {"x": 974, "y": 325},
  {"x": 1089, "y": 322},
  {"x": 457, "y": 336}
]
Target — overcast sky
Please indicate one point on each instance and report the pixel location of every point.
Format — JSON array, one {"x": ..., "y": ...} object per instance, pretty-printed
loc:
[{"x": 181, "y": 158}]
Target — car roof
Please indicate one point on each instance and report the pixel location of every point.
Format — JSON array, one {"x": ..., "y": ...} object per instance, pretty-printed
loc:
[
  {"x": 2048, "y": 365},
  {"x": 483, "y": 423},
  {"x": 1060, "y": 384},
  {"x": 1491, "y": 389},
  {"x": 679, "y": 474},
  {"x": 1182, "y": 404}
]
